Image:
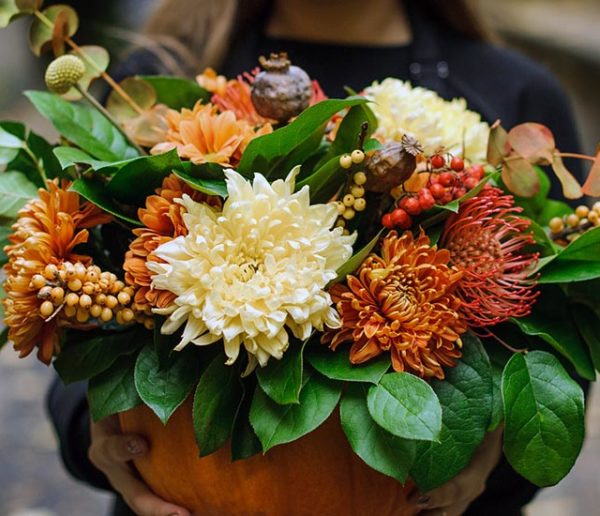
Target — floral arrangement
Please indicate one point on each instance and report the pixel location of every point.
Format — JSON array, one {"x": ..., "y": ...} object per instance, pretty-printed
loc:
[{"x": 251, "y": 242}]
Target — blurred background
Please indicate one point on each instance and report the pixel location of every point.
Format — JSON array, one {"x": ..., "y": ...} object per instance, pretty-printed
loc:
[{"x": 561, "y": 34}]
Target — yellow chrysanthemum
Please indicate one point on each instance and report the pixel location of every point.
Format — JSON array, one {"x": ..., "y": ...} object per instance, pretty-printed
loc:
[
  {"x": 252, "y": 271},
  {"x": 403, "y": 109}
]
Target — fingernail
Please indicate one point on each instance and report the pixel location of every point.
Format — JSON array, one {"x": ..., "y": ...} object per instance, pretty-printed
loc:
[
  {"x": 134, "y": 446},
  {"x": 424, "y": 500}
]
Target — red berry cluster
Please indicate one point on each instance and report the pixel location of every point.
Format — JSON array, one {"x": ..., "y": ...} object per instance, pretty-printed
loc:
[{"x": 447, "y": 182}]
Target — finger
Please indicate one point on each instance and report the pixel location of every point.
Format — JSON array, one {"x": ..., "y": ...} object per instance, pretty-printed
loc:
[
  {"x": 117, "y": 449},
  {"x": 453, "y": 510},
  {"x": 139, "y": 497}
]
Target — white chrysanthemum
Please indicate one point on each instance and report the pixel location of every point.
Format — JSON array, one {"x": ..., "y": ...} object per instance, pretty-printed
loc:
[
  {"x": 247, "y": 273},
  {"x": 403, "y": 109}
]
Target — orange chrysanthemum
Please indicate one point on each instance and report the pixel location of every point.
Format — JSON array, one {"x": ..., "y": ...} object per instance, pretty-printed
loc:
[
  {"x": 403, "y": 302},
  {"x": 46, "y": 232},
  {"x": 163, "y": 222},
  {"x": 203, "y": 135}
]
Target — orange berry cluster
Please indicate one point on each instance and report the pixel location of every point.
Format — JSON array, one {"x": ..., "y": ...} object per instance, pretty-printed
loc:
[
  {"x": 79, "y": 294},
  {"x": 569, "y": 227},
  {"x": 448, "y": 180},
  {"x": 353, "y": 200}
]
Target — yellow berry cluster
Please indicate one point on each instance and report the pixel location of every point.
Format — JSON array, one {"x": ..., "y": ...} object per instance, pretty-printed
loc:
[
  {"x": 78, "y": 293},
  {"x": 568, "y": 228},
  {"x": 354, "y": 199}
]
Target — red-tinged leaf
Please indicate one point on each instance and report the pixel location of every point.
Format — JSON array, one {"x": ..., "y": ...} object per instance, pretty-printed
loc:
[
  {"x": 520, "y": 177},
  {"x": 41, "y": 36},
  {"x": 532, "y": 141},
  {"x": 59, "y": 33},
  {"x": 498, "y": 147},
  {"x": 141, "y": 92},
  {"x": 570, "y": 186},
  {"x": 591, "y": 186},
  {"x": 95, "y": 58}
]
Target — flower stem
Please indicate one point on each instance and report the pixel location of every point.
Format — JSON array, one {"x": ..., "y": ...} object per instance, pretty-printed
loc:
[
  {"x": 37, "y": 164},
  {"x": 110, "y": 81}
]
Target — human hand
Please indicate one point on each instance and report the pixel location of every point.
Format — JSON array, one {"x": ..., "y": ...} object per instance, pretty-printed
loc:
[
  {"x": 111, "y": 451},
  {"x": 454, "y": 497}
]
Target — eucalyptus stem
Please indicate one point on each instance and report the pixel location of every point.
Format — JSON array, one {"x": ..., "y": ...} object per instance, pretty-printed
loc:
[
  {"x": 120, "y": 91},
  {"x": 110, "y": 118}
]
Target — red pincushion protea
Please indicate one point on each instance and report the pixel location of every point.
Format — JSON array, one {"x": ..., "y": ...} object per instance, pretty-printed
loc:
[{"x": 487, "y": 241}]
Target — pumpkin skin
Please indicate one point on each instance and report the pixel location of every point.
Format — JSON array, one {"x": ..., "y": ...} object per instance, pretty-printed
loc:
[{"x": 318, "y": 474}]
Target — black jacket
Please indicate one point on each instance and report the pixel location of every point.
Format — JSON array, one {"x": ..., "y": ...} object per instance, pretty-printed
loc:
[{"x": 498, "y": 83}]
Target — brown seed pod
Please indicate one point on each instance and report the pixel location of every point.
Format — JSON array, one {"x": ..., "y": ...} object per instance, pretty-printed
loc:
[
  {"x": 392, "y": 165},
  {"x": 281, "y": 91}
]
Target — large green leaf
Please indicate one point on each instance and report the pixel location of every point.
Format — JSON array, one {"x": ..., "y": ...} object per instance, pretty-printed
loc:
[
  {"x": 381, "y": 450},
  {"x": 83, "y": 359},
  {"x": 325, "y": 181},
  {"x": 113, "y": 390},
  {"x": 278, "y": 424},
  {"x": 588, "y": 324},
  {"x": 5, "y": 232},
  {"x": 406, "y": 406},
  {"x": 84, "y": 126},
  {"x": 207, "y": 178},
  {"x": 95, "y": 191},
  {"x": 349, "y": 131},
  {"x": 43, "y": 152},
  {"x": 163, "y": 388},
  {"x": 281, "y": 380},
  {"x": 275, "y": 154},
  {"x": 497, "y": 408},
  {"x": 466, "y": 398},
  {"x": 244, "y": 442},
  {"x": 218, "y": 396},
  {"x": 15, "y": 191},
  {"x": 337, "y": 366},
  {"x": 139, "y": 178},
  {"x": 544, "y": 417},
  {"x": 551, "y": 321},
  {"x": 177, "y": 92},
  {"x": 69, "y": 156}
]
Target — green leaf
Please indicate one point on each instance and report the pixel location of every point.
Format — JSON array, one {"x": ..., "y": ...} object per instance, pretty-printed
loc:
[
  {"x": 566, "y": 271},
  {"x": 113, "y": 390},
  {"x": 325, "y": 181},
  {"x": 5, "y": 232},
  {"x": 281, "y": 380},
  {"x": 218, "y": 396},
  {"x": 544, "y": 417},
  {"x": 346, "y": 138},
  {"x": 84, "y": 126},
  {"x": 381, "y": 450},
  {"x": 95, "y": 192},
  {"x": 551, "y": 321},
  {"x": 69, "y": 156},
  {"x": 207, "y": 178},
  {"x": 406, "y": 406},
  {"x": 278, "y": 424},
  {"x": 9, "y": 141},
  {"x": 336, "y": 365},
  {"x": 84, "y": 359},
  {"x": 177, "y": 92},
  {"x": 139, "y": 178},
  {"x": 244, "y": 442},
  {"x": 275, "y": 154},
  {"x": 15, "y": 191},
  {"x": 165, "y": 388},
  {"x": 352, "y": 265},
  {"x": 585, "y": 249},
  {"x": 64, "y": 21},
  {"x": 466, "y": 399},
  {"x": 588, "y": 323},
  {"x": 43, "y": 151},
  {"x": 497, "y": 408}
]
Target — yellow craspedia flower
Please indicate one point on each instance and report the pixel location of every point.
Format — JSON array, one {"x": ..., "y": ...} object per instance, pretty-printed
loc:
[
  {"x": 403, "y": 109},
  {"x": 254, "y": 270}
]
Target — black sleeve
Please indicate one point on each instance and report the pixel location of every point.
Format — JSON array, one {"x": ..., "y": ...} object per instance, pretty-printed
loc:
[{"x": 68, "y": 411}]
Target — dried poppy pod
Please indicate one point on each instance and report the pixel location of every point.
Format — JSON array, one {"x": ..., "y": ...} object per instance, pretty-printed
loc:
[
  {"x": 281, "y": 91},
  {"x": 392, "y": 164}
]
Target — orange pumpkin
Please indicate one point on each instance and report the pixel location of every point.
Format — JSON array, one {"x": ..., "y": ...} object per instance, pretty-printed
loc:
[{"x": 318, "y": 474}]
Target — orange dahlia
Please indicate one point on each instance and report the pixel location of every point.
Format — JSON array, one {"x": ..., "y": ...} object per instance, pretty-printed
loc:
[
  {"x": 163, "y": 222},
  {"x": 46, "y": 233},
  {"x": 487, "y": 241},
  {"x": 203, "y": 135},
  {"x": 404, "y": 302}
]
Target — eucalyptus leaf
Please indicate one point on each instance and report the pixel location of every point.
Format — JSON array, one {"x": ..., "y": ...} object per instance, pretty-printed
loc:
[
  {"x": 8, "y": 12},
  {"x": 544, "y": 417},
  {"x": 278, "y": 424},
  {"x": 165, "y": 388},
  {"x": 381, "y": 450},
  {"x": 216, "y": 402},
  {"x": 84, "y": 126},
  {"x": 466, "y": 397},
  {"x": 113, "y": 390},
  {"x": 406, "y": 406},
  {"x": 64, "y": 22}
]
